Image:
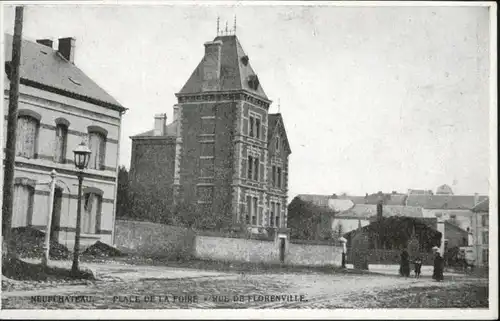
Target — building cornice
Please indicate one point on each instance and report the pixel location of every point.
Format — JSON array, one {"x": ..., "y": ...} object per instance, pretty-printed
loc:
[
  {"x": 234, "y": 95},
  {"x": 94, "y": 101}
]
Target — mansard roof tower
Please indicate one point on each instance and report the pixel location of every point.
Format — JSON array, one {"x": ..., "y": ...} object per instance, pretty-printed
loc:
[{"x": 228, "y": 156}]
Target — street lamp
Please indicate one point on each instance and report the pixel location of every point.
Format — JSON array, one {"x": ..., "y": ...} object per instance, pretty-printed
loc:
[{"x": 82, "y": 157}]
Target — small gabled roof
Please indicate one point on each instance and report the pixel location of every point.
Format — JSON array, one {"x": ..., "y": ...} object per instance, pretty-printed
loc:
[
  {"x": 276, "y": 120},
  {"x": 234, "y": 73},
  {"x": 318, "y": 200},
  {"x": 46, "y": 67},
  {"x": 482, "y": 206}
]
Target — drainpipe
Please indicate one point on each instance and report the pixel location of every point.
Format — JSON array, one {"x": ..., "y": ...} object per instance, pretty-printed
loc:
[{"x": 116, "y": 182}]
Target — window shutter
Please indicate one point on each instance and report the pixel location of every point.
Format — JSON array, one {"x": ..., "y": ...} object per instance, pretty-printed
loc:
[
  {"x": 102, "y": 151},
  {"x": 21, "y": 122},
  {"x": 29, "y": 138},
  {"x": 98, "y": 214}
]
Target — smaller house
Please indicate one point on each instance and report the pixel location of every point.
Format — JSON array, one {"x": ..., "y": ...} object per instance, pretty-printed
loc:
[
  {"x": 480, "y": 231},
  {"x": 394, "y": 233},
  {"x": 361, "y": 215},
  {"x": 454, "y": 208},
  {"x": 309, "y": 220}
]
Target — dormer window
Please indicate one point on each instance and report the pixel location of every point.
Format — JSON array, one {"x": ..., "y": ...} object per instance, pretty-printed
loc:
[
  {"x": 277, "y": 143},
  {"x": 253, "y": 82},
  {"x": 244, "y": 60}
]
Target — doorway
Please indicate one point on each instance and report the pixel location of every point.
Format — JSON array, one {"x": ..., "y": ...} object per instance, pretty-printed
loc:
[
  {"x": 56, "y": 215},
  {"x": 282, "y": 249}
]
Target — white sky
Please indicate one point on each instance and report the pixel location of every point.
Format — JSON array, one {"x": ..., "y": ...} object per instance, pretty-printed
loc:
[{"x": 373, "y": 98}]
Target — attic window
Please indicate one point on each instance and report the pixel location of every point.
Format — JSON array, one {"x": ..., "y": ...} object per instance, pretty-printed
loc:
[
  {"x": 74, "y": 81},
  {"x": 244, "y": 60},
  {"x": 43, "y": 52},
  {"x": 253, "y": 82}
]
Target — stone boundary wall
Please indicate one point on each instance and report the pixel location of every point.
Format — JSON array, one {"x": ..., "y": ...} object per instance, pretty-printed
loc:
[
  {"x": 153, "y": 239},
  {"x": 173, "y": 242}
]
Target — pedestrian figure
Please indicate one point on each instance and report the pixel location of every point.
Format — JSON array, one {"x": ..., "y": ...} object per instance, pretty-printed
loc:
[
  {"x": 404, "y": 269},
  {"x": 418, "y": 266},
  {"x": 438, "y": 267}
]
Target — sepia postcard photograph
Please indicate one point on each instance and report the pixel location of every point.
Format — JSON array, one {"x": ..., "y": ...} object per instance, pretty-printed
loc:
[{"x": 249, "y": 160}]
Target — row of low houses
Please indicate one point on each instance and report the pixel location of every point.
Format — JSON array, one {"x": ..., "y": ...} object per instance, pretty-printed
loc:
[{"x": 464, "y": 217}]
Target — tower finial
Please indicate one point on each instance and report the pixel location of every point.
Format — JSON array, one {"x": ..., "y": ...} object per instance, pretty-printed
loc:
[
  {"x": 227, "y": 30},
  {"x": 234, "y": 29},
  {"x": 279, "y": 106},
  {"x": 218, "y": 29}
]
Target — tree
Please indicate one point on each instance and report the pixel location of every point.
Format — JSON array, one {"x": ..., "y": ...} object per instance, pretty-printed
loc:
[{"x": 123, "y": 194}]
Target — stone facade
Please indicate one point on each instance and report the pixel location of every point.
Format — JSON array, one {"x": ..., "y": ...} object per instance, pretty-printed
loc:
[{"x": 224, "y": 156}]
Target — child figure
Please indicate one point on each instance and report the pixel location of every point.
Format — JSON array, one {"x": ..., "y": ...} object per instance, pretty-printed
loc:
[{"x": 418, "y": 266}]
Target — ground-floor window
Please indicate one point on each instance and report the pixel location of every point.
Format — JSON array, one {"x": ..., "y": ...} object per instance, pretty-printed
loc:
[
  {"x": 252, "y": 210},
  {"x": 485, "y": 256},
  {"x": 23, "y": 205},
  {"x": 91, "y": 213},
  {"x": 274, "y": 214}
]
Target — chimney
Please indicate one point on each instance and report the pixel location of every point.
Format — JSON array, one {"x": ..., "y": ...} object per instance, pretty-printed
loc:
[
  {"x": 46, "y": 42},
  {"x": 212, "y": 65},
  {"x": 160, "y": 123},
  {"x": 67, "y": 48},
  {"x": 476, "y": 199}
]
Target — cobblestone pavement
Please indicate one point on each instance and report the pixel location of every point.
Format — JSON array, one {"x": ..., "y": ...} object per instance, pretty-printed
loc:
[{"x": 149, "y": 287}]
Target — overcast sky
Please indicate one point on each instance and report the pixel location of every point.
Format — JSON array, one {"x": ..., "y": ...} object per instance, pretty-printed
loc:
[{"x": 373, "y": 98}]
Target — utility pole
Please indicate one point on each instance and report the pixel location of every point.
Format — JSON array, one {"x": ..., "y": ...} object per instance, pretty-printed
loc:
[
  {"x": 10, "y": 148},
  {"x": 46, "y": 257}
]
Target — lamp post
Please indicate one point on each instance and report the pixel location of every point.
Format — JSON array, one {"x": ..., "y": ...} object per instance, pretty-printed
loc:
[{"x": 82, "y": 157}]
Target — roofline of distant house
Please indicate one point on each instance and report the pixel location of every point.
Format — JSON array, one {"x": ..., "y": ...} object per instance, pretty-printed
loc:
[
  {"x": 164, "y": 137},
  {"x": 62, "y": 92}
]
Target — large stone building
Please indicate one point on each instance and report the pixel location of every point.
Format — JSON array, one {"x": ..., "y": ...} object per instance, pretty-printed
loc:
[
  {"x": 59, "y": 106},
  {"x": 224, "y": 155}
]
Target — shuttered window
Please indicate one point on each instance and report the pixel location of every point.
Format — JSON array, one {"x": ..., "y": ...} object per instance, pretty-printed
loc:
[
  {"x": 23, "y": 205},
  {"x": 27, "y": 136},
  {"x": 60, "y": 146},
  {"x": 97, "y": 143},
  {"x": 91, "y": 213}
]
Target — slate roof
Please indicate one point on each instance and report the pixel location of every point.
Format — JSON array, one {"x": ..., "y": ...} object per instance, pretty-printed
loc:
[
  {"x": 170, "y": 131},
  {"x": 482, "y": 206},
  {"x": 454, "y": 202},
  {"x": 41, "y": 65},
  {"x": 234, "y": 74},
  {"x": 366, "y": 211},
  {"x": 318, "y": 200}
]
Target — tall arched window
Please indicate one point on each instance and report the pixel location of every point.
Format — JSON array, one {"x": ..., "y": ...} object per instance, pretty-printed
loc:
[
  {"x": 23, "y": 204},
  {"x": 97, "y": 145},
  {"x": 61, "y": 141},
  {"x": 27, "y": 136},
  {"x": 91, "y": 216}
]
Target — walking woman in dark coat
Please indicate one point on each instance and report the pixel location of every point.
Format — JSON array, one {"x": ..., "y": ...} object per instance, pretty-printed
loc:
[
  {"x": 405, "y": 264},
  {"x": 438, "y": 267}
]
